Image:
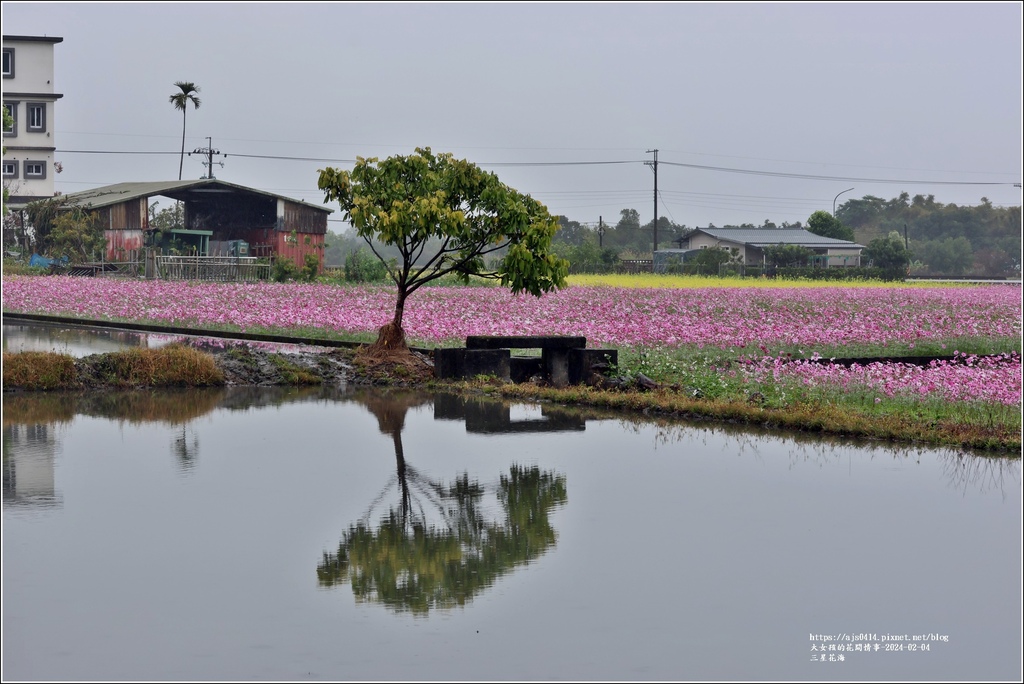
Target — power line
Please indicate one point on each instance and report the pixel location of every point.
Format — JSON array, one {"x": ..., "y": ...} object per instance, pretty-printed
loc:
[
  {"x": 807, "y": 176},
  {"x": 286, "y": 158},
  {"x": 702, "y": 167},
  {"x": 855, "y": 166},
  {"x": 109, "y": 152}
]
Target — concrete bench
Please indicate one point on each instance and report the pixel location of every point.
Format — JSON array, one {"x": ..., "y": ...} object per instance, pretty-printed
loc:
[{"x": 564, "y": 359}]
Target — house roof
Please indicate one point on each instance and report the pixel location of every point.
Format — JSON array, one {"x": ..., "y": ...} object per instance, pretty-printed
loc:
[
  {"x": 178, "y": 190},
  {"x": 764, "y": 237},
  {"x": 32, "y": 39}
]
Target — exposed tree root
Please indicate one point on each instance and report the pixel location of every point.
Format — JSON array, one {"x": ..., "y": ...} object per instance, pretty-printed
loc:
[{"x": 390, "y": 360}]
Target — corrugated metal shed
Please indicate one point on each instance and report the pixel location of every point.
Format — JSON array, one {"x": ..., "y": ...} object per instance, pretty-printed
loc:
[
  {"x": 272, "y": 225},
  {"x": 764, "y": 237},
  {"x": 177, "y": 190}
]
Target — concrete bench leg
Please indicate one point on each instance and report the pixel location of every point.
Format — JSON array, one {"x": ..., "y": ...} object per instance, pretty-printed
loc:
[
  {"x": 466, "y": 364},
  {"x": 556, "y": 366},
  {"x": 581, "y": 361}
]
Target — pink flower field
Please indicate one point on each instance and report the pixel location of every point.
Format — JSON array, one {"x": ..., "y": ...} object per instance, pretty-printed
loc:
[
  {"x": 758, "y": 321},
  {"x": 730, "y": 318},
  {"x": 994, "y": 379}
]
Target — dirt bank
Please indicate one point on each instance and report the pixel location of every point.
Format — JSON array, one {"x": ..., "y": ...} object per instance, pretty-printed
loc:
[{"x": 250, "y": 365}]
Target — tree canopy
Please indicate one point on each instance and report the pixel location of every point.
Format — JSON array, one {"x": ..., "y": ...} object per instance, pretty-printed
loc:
[
  {"x": 76, "y": 234},
  {"x": 445, "y": 216},
  {"x": 186, "y": 94},
  {"x": 889, "y": 253},
  {"x": 787, "y": 255},
  {"x": 824, "y": 224},
  {"x": 946, "y": 239}
]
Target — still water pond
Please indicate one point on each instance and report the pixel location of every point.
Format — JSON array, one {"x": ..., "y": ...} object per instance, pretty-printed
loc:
[
  {"x": 351, "y": 535},
  {"x": 74, "y": 340}
]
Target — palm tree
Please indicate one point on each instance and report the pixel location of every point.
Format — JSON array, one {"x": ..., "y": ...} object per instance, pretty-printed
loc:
[{"x": 180, "y": 101}]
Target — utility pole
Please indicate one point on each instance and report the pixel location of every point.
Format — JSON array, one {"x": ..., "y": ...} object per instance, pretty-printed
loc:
[
  {"x": 600, "y": 232},
  {"x": 209, "y": 152},
  {"x": 654, "y": 165}
]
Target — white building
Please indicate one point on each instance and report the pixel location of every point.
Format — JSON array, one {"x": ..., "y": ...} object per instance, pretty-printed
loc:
[
  {"x": 29, "y": 145},
  {"x": 749, "y": 244}
]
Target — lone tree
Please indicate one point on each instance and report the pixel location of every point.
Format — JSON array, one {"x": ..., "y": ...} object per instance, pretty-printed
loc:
[
  {"x": 180, "y": 101},
  {"x": 826, "y": 225},
  {"x": 890, "y": 254},
  {"x": 445, "y": 215}
]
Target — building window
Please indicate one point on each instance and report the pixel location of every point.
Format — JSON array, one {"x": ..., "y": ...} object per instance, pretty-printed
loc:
[
  {"x": 10, "y": 169},
  {"x": 36, "y": 117},
  {"x": 11, "y": 131},
  {"x": 8, "y": 62},
  {"x": 35, "y": 169}
]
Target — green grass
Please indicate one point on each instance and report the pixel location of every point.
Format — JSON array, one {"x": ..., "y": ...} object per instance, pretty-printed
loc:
[
  {"x": 291, "y": 373},
  {"x": 985, "y": 428},
  {"x": 706, "y": 378}
]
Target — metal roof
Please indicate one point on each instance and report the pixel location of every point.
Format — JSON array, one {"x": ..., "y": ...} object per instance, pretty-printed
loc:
[
  {"x": 178, "y": 190},
  {"x": 32, "y": 39},
  {"x": 764, "y": 237}
]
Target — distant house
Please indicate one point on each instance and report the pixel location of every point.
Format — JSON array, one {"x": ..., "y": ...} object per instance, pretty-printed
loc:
[
  {"x": 751, "y": 242},
  {"x": 220, "y": 219},
  {"x": 29, "y": 144}
]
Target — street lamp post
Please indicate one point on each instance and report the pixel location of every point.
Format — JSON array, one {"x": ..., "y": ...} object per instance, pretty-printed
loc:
[{"x": 834, "y": 201}]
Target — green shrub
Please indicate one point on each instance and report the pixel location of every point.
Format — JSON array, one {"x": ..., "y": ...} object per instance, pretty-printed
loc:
[
  {"x": 16, "y": 267},
  {"x": 311, "y": 267},
  {"x": 284, "y": 270},
  {"x": 363, "y": 267}
]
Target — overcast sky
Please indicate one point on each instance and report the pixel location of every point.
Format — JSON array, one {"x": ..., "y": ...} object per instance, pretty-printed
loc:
[{"x": 851, "y": 94}]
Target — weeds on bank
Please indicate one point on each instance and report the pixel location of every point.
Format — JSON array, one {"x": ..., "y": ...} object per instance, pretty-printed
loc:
[
  {"x": 171, "y": 366},
  {"x": 39, "y": 371}
]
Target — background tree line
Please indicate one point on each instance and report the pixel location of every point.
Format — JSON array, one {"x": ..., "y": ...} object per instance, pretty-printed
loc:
[{"x": 944, "y": 239}]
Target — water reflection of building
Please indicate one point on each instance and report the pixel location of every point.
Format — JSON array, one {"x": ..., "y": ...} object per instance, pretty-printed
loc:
[
  {"x": 73, "y": 340},
  {"x": 491, "y": 417},
  {"x": 29, "y": 455}
]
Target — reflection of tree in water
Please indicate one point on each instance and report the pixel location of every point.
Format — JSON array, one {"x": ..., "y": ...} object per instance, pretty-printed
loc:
[{"x": 410, "y": 564}]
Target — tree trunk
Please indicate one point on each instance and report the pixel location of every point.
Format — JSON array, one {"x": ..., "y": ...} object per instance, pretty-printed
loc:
[
  {"x": 391, "y": 337},
  {"x": 181, "y": 160}
]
